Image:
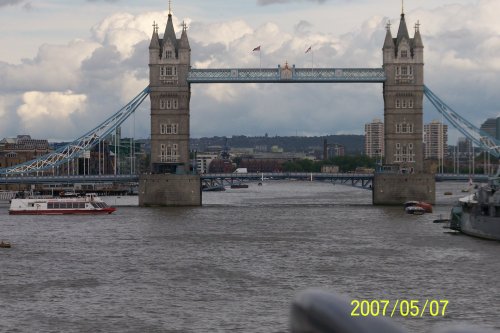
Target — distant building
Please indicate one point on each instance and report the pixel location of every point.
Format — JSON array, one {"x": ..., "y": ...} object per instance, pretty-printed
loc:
[
  {"x": 492, "y": 127},
  {"x": 435, "y": 140},
  {"x": 464, "y": 147},
  {"x": 276, "y": 149},
  {"x": 335, "y": 150},
  {"x": 203, "y": 161},
  {"x": 219, "y": 165},
  {"x": 374, "y": 138},
  {"x": 263, "y": 165},
  {"x": 331, "y": 150},
  {"x": 21, "y": 149},
  {"x": 330, "y": 169}
]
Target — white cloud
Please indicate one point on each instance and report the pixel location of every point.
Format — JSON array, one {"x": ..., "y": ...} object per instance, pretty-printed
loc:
[
  {"x": 219, "y": 32},
  {"x": 43, "y": 113},
  {"x": 462, "y": 61},
  {"x": 123, "y": 31},
  {"x": 56, "y": 67},
  {"x": 2, "y": 106}
]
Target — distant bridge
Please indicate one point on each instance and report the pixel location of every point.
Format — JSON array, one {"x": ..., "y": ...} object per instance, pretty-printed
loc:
[{"x": 353, "y": 179}]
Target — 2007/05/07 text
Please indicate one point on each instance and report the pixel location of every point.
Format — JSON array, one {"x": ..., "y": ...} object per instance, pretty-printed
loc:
[{"x": 404, "y": 308}]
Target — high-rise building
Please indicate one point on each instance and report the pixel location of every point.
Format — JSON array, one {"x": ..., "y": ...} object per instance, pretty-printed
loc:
[
  {"x": 464, "y": 147},
  {"x": 435, "y": 140},
  {"x": 374, "y": 138},
  {"x": 492, "y": 127},
  {"x": 203, "y": 161}
]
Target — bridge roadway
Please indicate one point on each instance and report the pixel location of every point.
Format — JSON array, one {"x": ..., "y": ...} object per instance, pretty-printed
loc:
[{"x": 354, "y": 179}]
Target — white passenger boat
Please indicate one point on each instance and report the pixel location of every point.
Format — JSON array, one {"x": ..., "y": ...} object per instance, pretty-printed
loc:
[{"x": 88, "y": 204}]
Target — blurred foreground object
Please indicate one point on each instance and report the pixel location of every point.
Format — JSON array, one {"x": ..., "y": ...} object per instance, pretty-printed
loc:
[{"x": 317, "y": 311}]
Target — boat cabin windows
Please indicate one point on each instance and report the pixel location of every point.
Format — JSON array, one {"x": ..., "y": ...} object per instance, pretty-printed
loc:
[
  {"x": 66, "y": 205},
  {"x": 99, "y": 204}
]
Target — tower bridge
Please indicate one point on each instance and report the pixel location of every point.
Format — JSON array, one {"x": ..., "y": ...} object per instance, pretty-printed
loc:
[{"x": 170, "y": 80}]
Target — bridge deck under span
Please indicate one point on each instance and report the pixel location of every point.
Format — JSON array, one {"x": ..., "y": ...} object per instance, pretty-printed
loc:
[{"x": 293, "y": 75}]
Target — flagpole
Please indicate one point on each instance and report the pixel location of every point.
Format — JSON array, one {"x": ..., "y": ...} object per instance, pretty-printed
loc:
[
  {"x": 312, "y": 62},
  {"x": 260, "y": 57},
  {"x": 260, "y": 60},
  {"x": 312, "y": 59}
]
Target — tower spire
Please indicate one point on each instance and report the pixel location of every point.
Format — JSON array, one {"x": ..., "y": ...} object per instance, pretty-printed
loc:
[{"x": 402, "y": 7}]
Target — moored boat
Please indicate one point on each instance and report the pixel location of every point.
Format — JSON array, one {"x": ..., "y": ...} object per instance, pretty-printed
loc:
[
  {"x": 415, "y": 210},
  {"x": 424, "y": 205},
  {"x": 478, "y": 214},
  {"x": 88, "y": 204},
  {"x": 239, "y": 186},
  {"x": 5, "y": 245}
]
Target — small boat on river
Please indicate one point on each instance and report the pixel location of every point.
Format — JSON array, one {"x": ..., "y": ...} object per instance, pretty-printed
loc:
[
  {"x": 5, "y": 245},
  {"x": 415, "y": 210},
  {"x": 239, "y": 186},
  {"x": 88, "y": 204},
  {"x": 426, "y": 207}
]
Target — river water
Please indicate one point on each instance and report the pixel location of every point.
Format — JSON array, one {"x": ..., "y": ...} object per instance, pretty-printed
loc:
[{"x": 235, "y": 264}]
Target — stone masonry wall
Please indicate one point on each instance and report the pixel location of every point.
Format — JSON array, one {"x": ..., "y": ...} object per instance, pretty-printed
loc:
[
  {"x": 169, "y": 190},
  {"x": 395, "y": 189}
]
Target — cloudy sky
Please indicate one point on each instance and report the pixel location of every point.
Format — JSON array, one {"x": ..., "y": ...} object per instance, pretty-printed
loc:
[{"x": 67, "y": 65}]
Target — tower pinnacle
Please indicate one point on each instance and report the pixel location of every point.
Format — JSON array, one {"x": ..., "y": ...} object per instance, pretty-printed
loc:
[{"x": 169, "y": 7}]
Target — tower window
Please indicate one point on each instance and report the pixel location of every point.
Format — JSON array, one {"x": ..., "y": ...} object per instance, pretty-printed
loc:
[
  {"x": 404, "y": 127},
  {"x": 169, "y": 128},
  {"x": 168, "y": 153},
  {"x": 404, "y": 54},
  {"x": 168, "y": 54},
  {"x": 168, "y": 71},
  {"x": 169, "y": 104}
]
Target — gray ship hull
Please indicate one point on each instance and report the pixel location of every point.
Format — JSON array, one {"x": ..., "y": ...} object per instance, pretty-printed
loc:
[
  {"x": 480, "y": 226},
  {"x": 479, "y": 214}
]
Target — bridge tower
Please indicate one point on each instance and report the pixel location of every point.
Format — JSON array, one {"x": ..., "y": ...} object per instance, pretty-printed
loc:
[
  {"x": 403, "y": 59},
  {"x": 169, "y": 183},
  {"x": 403, "y": 63},
  {"x": 169, "y": 62}
]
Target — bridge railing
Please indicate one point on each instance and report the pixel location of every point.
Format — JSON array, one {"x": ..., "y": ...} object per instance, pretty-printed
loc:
[{"x": 259, "y": 175}]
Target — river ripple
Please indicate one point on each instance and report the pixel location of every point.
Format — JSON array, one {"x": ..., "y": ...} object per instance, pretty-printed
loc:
[{"x": 235, "y": 264}]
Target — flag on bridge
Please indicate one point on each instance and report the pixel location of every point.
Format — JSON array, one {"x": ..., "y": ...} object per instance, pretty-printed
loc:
[
  {"x": 256, "y": 49},
  {"x": 309, "y": 49}
]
